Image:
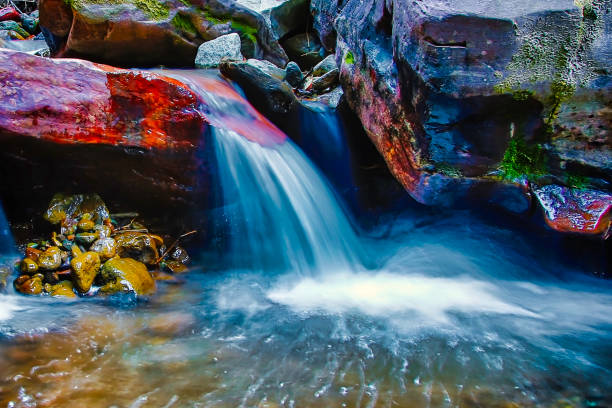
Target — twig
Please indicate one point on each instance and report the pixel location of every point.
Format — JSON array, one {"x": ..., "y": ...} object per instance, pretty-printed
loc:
[
  {"x": 16, "y": 8},
  {"x": 167, "y": 251}
]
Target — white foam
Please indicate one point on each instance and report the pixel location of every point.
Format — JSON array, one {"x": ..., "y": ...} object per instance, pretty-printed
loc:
[
  {"x": 387, "y": 294},
  {"x": 7, "y": 307}
]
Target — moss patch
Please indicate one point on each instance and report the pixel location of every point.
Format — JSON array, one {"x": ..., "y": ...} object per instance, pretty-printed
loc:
[
  {"x": 521, "y": 159},
  {"x": 184, "y": 24},
  {"x": 349, "y": 58},
  {"x": 243, "y": 29},
  {"x": 154, "y": 9}
]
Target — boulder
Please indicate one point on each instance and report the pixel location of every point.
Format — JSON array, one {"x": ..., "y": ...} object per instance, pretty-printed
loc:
[
  {"x": 571, "y": 210},
  {"x": 71, "y": 125},
  {"x": 293, "y": 74},
  {"x": 126, "y": 275},
  {"x": 305, "y": 49},
  {"x": 268, "y": 68},
  {"x": 152, "y": 32},
  {"x": 325, "y": 66},
  {"x": 325, "y": 81},
  {"x": 476, "y": 93},
  {"x": 210, "y": 53},
  {"x": 284, "y": 16},
  {"x": 138, "y": 245},
  {"x": 271, "y": 96},
  {"x": 84, "y": 269}
]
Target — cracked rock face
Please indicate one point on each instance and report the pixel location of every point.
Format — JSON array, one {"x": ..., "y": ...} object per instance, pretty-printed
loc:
[{"x": 442, "y": 87}]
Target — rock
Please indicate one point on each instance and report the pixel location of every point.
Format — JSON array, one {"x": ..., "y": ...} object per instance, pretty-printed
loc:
[
  {"x": 60, "y": 119},
  {"x": 29, "y": 266},
  {"x": 210, "y": 53},
  {"x": 285, "y": 16},
  {"x": 50, "y": 259},
  {"x": 293, "y": 74},
  {"x": 14, "y": 26},
  {"x": 175, "y": 266},
  {"x": 85, "y": 267},
  {"x": 29, "y": 23},
  {"x": 62, "y": 289},
  {"x": 272, "y": 97},
  {"x": 9, "y": 13},
  {"x": 105, "y": 247},
  {"x": 575, "y": 210},
  {"x": 86, "y": 238},
  {"x": 126, "y": 275},
  {"x": 325, "y": 66},
  {"x": 151, "y": 32},
  {"x": 33, "y": 47},
  {"x": 328, "y": 80},
  {"x": 137, "y": 245},
  {"x": 29, "y": 285},
  {"x": 180, "y": 254},
  {"x": 86, "y": 224},
  {"x": 304, "y": 49},
  {"x": 68, "y": 209},
  {"x": 5, "y": 272},
  {"x": 331, "y": 99},
  {"x": 442, "y": 88},
  {"x": 268, "y": 68}
]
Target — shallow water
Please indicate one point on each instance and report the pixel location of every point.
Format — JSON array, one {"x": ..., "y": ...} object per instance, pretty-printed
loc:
[
  {"x": 452, "y": 316},
  {"x": 450, "y": 311}
]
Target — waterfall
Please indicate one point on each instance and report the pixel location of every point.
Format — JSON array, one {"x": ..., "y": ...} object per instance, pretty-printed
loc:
[{"x": 280, "y": 211}]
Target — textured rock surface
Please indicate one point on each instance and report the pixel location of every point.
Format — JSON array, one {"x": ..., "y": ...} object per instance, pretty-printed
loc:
[
  {"x": 126, "y": 275},
  {"x": 443, "y": 87},
  {"x": 210, "y": 53},
  {"x": 70, "y": 125},
  {"x": 572, "y": 210},
  {"x": 152, "y": 32}
]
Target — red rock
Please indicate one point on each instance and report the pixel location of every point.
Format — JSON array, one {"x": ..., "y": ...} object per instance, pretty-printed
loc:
[
  {"x": 9, "y": 13},
  {"x": 574, "y": 210}
]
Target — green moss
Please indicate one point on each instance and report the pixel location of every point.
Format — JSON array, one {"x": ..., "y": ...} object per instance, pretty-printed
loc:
[
  {"x": 349, "y": 58},
  {"x": 245, "y": 30},
  {"x": 186, "y": 3},
  {"x": 154, "y": 9},
  {"x": 522, "y": 160},
  {"x": 183, "y": 23},
  {"x": 576, "y": 181}
]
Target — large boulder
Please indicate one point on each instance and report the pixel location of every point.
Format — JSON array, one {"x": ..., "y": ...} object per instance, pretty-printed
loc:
[
  {"x": 152, "y": 32},
  {"x": 71, "y": 125},
  {"x": 140, "y": 139},
  {"x": 462, "y": 97}
]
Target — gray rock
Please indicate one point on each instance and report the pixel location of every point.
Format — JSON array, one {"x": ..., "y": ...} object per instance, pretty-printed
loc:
[
  {"x": 212, "y": 52},
  {"x": 267, "y": 67},
  {"x": 330, "y": 79},
  {"x": 293, "y": 74},
  {"x": 283, "y": 16},
  {"x": 323, "y": 67},
  {"x": 304, "y": 49},
  {"x": 34, "y": 47},
  {"x": 271, "y": 96},
  {"x": 442, "y": 86}
]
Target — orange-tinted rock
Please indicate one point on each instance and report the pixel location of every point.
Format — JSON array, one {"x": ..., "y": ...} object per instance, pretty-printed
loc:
[
  {"x": 75, "y": 126},
  {"x": 574, "y": 210}
]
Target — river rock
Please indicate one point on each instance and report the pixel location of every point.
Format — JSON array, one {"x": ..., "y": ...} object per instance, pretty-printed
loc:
[
  {"x": 152, "y": 32},
  {"x": 575, "y": 210},
  {"x": 126, "y": 275},
  {"x": 442, "y": 87},
  {"x": 137, "y": 245},
  {"x": 293, "y": 74},
  {"x": 85, "y": 267},
  {"x": 305, "y": 49},
  {"x": 62, "y": 289},
  {"x": 29, "y": 266},
  {"x": 50, "y": 259},
  {"x": 271, "y": 96},
  {"x": 325, "y": 66},
  {"x": 321, "y": 83},
  {"x": 29, "y": 285},
  {"x": 268, "y": 68},
  {"x": 210, "y": 53},
  {"x": 105, "y": 247}
]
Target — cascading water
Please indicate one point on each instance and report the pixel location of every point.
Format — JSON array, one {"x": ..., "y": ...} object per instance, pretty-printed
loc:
[{"x": 282, "y": 214}]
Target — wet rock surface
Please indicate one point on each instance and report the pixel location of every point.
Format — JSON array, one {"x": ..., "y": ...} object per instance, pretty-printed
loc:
[
  {"x": 210, "y": 53},
  {"x": 461, "y": 97},
  {"x": 146, "y": 33},
  {"x": 110, "y": 263}
]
